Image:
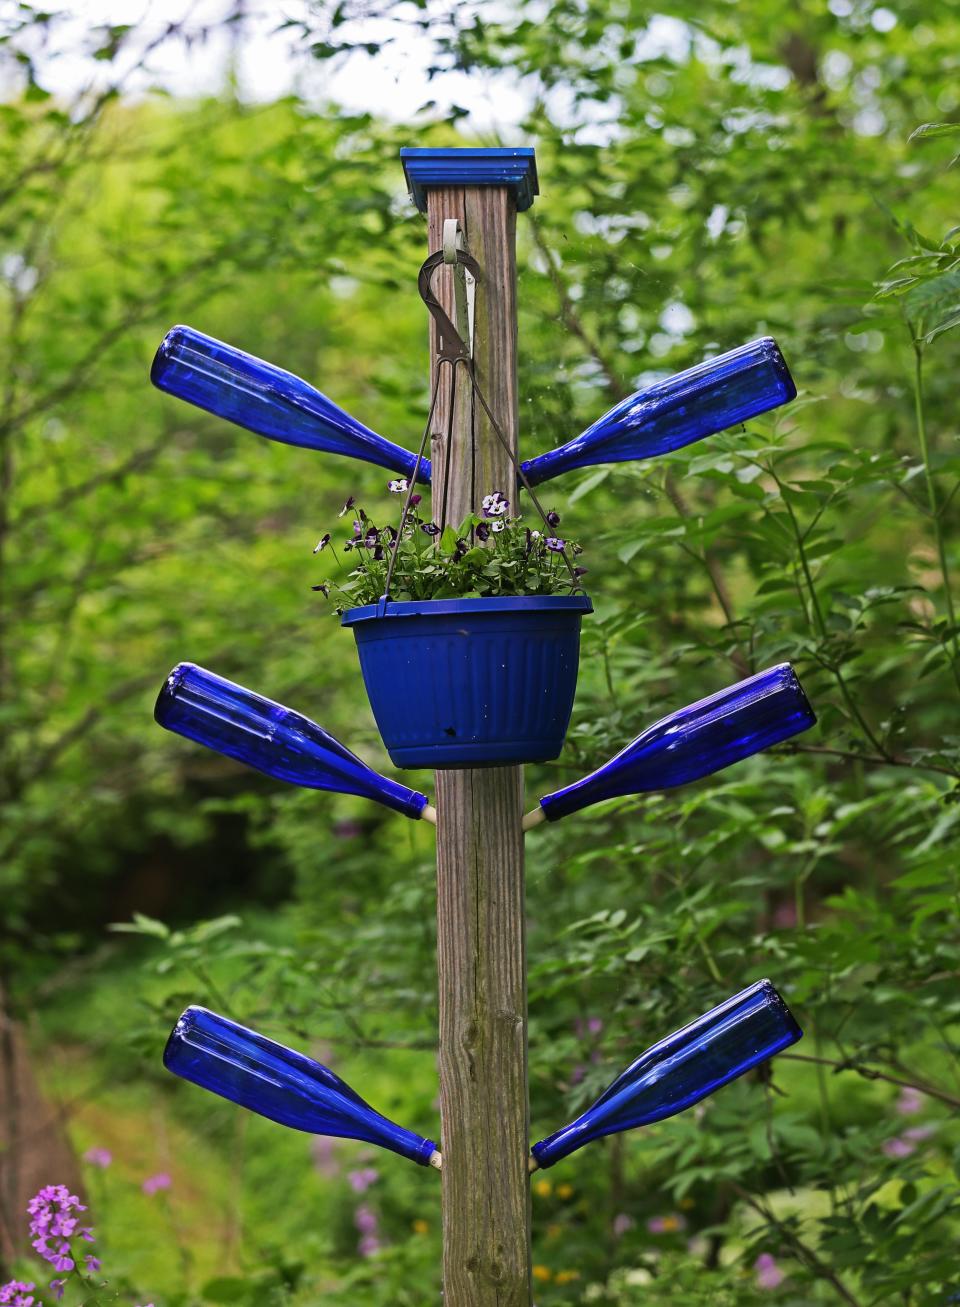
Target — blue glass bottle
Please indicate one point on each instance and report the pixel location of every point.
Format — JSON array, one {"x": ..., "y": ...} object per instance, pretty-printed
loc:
[
  {"x": 268, "y": 400},
  {"x": 280, "y": 1084},
  {"x": 699, "y": 402},
  {"x": 682, "y": 1069},
  {"x": 698, "y": 740},
  {"x": 234, "y": 721}
]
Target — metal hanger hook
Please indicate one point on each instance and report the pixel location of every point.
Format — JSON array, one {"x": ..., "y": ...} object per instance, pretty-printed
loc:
[{"x": 452, "y": 344}]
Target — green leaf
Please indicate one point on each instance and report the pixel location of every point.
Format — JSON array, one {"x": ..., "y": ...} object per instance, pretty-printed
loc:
[
  {"x": 589, "y": 483},
  {"x": 141, "y": 925},
  {"x": 926, "y": 130},
  {"x": 947, "y": 324}
]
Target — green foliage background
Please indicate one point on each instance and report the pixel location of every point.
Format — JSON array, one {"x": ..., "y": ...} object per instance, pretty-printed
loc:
[{"x": 707, "y": 175}]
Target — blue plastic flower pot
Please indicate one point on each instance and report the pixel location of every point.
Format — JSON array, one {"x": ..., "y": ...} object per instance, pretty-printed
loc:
[{"x": 471, "y": 682}]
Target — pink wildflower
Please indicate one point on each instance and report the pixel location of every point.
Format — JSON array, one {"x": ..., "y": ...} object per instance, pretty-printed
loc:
[
  {"x": 18, "y": 1293},
  {"x": 910, "y": 1101},
  {"x": 360, "y": 1181},
  {"x": 365, "y": 1219},
  {"x": 52, "y": 1223},
  {"x": 769, "y": 1274},
  {"x": 101, "y": 1157},
  {"x": 322, "y": 1150},
  {"x": 154, "y": 1183},
  {"x": 785, "y": 916},
  {"x": 621, "y": 1224},
  {"x": 916, "y": 1133},
  {"x": 898, "y": 1148}
]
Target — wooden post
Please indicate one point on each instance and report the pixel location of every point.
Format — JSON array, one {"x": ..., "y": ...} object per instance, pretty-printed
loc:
[{"x": 481, "y": 929}]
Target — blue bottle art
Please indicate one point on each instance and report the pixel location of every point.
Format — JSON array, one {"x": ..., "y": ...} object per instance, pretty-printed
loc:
[
  {"x": 699, "y": 402},
  {"x": 281, "y": 1084},
  {"x": 682, "y": 1069},
  {"x": 267, "y": 400},
  {"x": 696, "y": 741},
  {"x": 235, "y": 721}
]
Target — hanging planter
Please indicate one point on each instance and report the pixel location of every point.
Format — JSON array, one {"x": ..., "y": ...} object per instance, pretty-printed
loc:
[
  {"x": 468, "y": 635},
  {"x": 471, "y": 682}
]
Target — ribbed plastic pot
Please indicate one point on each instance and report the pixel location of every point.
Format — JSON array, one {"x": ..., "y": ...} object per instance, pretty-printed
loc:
[{"x": 471, "y": 682}]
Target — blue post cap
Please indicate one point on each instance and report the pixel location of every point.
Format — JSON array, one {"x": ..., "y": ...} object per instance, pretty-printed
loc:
[{"x": 471, "y": 165}]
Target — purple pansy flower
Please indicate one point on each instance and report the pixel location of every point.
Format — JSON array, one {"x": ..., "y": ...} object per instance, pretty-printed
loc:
[
  {"x": 556, "y": 544},
  {"x": 399, "y": 486},
  {"x": 430, "y": 528},
  {"x": 495, "y": 505},
  {"x": 322, "y": 543},
  {"x": 347, "y": 506}
]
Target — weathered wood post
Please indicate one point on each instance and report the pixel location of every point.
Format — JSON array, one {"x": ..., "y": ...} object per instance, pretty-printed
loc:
[{"x": 481, "y": 954}]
